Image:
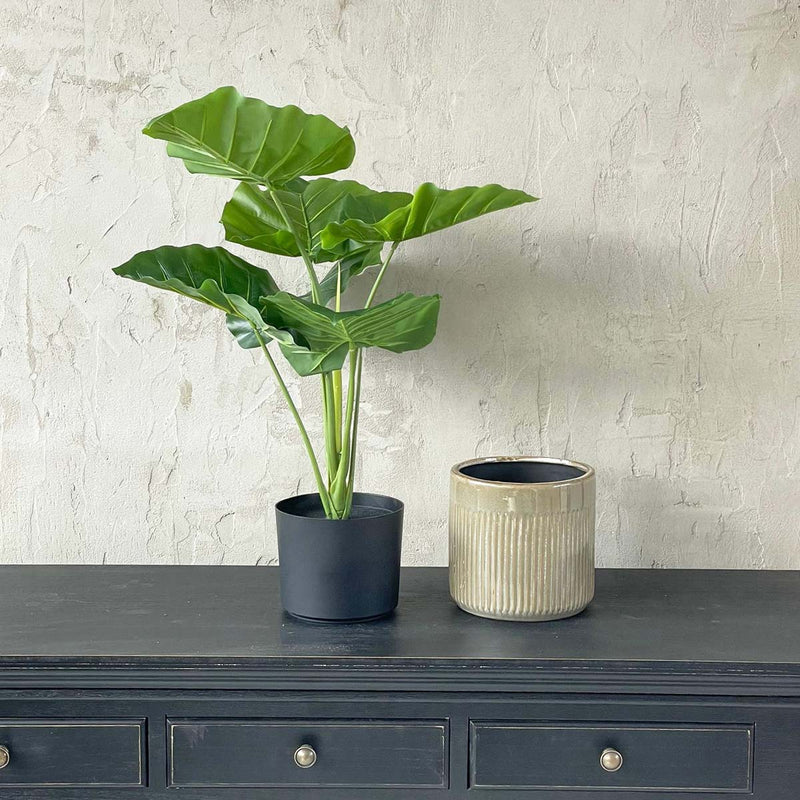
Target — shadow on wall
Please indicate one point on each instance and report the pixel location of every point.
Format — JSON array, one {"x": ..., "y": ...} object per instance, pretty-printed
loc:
[{"x": 600, "y": 360}]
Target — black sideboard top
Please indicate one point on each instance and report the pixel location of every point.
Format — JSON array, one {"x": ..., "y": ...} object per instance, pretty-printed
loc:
[{"x": 223, "y": 626}]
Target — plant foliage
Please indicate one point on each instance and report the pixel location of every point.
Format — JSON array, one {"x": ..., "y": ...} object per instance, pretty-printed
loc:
[{"x": 272, "y": 152}]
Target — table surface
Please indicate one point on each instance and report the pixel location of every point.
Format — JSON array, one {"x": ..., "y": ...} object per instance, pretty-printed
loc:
[{"x": 212, "y": 615}]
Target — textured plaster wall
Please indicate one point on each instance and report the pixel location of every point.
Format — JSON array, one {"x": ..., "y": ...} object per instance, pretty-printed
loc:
[{"x": 644, "y": 317}]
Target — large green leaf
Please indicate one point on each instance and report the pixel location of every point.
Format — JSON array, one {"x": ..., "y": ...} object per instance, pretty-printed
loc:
[
  {"x": 431, "y": 209},
  {"x": 252, "y": 219},
  {"x": 217, "y": 278},
  {"x": 240, "y": 137},
  {"x": 406, "y": 322},
  {"x": 184, "y": 270},
  {"x": 311, "y": 206}
]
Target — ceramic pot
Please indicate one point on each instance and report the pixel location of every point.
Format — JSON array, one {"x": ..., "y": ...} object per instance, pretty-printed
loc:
[
  {"x": 522, "y": 537},
  {"x": 339, "y": 570}
]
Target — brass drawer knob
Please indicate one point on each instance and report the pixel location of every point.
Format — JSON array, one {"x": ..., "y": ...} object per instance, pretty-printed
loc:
[
  {"x": 5, "y": 757},
  {"x": 610, "y": 759},
  {"x": 305, "y": 756}
]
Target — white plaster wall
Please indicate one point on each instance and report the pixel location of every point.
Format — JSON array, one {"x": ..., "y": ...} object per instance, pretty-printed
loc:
[{"x": 644, "y": 317}]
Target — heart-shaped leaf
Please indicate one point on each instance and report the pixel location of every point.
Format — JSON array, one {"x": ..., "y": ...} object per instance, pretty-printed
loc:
[
  {"x": 431, "y": 209},
  {"x": 217, "y": 278},
  {"x": 184, "y": 269},
  {"x": 252, "y": 219},
  {"x": 240, "y": 137}
]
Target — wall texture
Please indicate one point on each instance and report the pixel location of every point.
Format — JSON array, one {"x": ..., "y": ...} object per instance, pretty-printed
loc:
[{"x": 644, "y": 317}]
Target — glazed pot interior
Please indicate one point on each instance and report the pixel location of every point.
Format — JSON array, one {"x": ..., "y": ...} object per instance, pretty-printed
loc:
[
  {"x": 521, "y": 471},
  {"x": 364, "y": 505}
]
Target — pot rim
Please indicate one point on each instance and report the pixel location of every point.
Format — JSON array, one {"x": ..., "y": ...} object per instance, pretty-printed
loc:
[
  {"x": 586, "y": 469},
  {"x": 399, "y": 506}
]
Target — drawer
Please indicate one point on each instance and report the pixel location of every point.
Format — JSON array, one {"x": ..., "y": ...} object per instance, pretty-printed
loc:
[
  {"x": 674, "y": 757},
  {"x": 348, "y": 753},
  {"x": 72, "y": 753}
]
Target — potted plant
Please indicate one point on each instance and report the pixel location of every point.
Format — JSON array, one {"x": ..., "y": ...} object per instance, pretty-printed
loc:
[{"x": 339, "y": 550}]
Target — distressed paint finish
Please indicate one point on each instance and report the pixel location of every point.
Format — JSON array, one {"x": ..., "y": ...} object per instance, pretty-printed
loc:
[{"x": 643, "y": 317}]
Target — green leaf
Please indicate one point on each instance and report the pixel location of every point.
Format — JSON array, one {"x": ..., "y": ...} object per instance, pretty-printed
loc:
[
  {"x": 431, "y": 209},
  {"x": 304, "y": 359},
  {"x": 252, "y": 219},
  {"x": 217, "y": 278},
  {"x": 406, "y": 322},
  {"x": 242, "y": 331},
  {"x": 240, "y": 137},
  {"x": 184, "y": 270},
  {"x": 210, "y": 275},
  {"x": 311, "y": 206}
]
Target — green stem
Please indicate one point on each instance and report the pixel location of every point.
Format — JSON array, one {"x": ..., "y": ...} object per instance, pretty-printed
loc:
[
  {"x": 329, "y": 423},
  {"x": 380, "y": 275},
  {"x": 337, "y": 374},
  {"x": 351, "y": 436},
  {"x": 315, "y": 289},
  {"x": 339, "y": 486},
  {"x": 336, "y": 378},
  {"x": 351, "y": 473},
  {"x": 324, "y": 496},
  {"x": 339, "y": 285}
]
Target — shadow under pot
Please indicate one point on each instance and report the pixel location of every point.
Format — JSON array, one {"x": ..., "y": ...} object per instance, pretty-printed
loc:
[
  {"x": 522, "y": 537},
  {"x": 340, "y": 570}
]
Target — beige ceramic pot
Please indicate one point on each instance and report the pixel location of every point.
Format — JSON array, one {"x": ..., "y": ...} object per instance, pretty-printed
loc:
[{"x": 522, "y": 537}]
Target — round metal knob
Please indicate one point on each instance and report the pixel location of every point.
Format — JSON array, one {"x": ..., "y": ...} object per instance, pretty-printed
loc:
[
  {"x": 610, "y": 759},
  {"x": 305, "y": 756},
  {"x": 5, "y": 757}
]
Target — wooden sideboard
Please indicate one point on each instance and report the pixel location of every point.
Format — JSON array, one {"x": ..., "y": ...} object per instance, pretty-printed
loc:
[{"x": 190, "y": 682}]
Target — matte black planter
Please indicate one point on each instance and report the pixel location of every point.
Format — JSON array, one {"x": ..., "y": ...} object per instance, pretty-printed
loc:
[{"x": 340, "y": 570}]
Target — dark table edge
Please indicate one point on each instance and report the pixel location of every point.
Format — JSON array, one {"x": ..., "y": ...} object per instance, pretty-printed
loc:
[{"x": 424, "y": 675}]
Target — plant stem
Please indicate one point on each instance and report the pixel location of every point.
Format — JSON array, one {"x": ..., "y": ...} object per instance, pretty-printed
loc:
[
  {"x": 339, "y": 486},
  {"x": 352, "y": 468},
  {"x": 315, "y": 289},
  {"x": 337, "y": 374},
  {"x": 339, "y": 285},
  {"x": 350, "y": 436},
  {"x": 329, "y": 426},
  {"x": 380, "y": 275},
  {"x": 336, "y": 378},
  {"x": 324, "y": 496}
]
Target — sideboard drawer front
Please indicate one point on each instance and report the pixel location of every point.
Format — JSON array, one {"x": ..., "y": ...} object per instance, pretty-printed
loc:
[
  {"x": 73, "y": 753},
  {"x": 350, "y": 753},
  {"x": 655, "y": 757}
]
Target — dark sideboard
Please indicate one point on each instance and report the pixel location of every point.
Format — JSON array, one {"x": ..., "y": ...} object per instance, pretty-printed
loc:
[{"x": 190, "y": 682}]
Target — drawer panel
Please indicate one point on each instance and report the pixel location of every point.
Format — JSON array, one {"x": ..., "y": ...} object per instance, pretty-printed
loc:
[
  {"x": 73, "y": 752},
  {"x": 676, "y": 757},
  {"x": 349, "y": 753}
]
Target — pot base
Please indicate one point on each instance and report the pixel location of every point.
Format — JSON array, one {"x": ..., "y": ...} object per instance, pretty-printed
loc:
[
  {"x": 513, "y": 618},
  {"x": 357, "y": 621}
]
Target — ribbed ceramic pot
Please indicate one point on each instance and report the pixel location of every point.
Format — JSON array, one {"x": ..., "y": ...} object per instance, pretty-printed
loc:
[{"x": 522, "y": 537}]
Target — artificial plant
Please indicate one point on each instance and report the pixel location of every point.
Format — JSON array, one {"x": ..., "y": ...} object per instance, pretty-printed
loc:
[{"x": 270, "y": 152}]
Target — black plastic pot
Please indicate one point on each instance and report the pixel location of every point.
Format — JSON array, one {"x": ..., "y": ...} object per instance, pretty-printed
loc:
[{"x": 340, "y": 570}]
